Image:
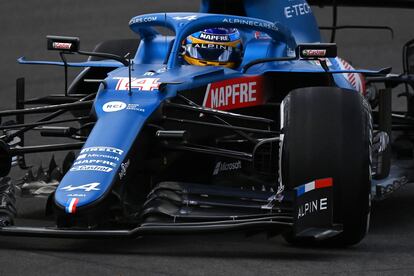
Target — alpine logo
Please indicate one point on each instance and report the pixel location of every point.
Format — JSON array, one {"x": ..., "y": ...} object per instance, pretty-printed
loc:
[
  {"x": 86, "y": 187},
  {"x": 234, "y": 93},
  {"x": 224, "y": 167}
]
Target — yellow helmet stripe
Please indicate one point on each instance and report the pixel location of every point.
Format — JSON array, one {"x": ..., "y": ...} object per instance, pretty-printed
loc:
[{"x": 194, "y": 61}]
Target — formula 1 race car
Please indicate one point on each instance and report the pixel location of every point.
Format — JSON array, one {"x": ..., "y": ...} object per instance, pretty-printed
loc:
[{"x": 285, "y": 143}]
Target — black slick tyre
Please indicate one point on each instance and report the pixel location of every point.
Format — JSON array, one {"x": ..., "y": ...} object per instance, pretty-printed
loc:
[{"x": 326, "y": 132}]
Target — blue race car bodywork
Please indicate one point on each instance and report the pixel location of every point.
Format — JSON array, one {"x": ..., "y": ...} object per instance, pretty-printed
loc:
[{"x": 200, "y": 145}]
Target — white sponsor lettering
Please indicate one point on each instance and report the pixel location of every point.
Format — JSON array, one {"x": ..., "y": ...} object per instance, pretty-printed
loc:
[
  {"x": 114, "y": 106},
  {"x": 212, "y": 37},
  {"x": 189, "y": 17},
  {"x": 135, "y": 107},
  {"x": 297, "y": 10},
  {"x": 100, "y": 149},
  {"x": 149, "y": 73},
  {"x": 270, "y": 26},
  {"x": 62, "y": 45},
  {"x": 94, "y": 161},
  {"x": 76, "y": 195},
  {"x": 86, "y": 187},
  {"x": 91, "y": 168},
  {"x": 313, "y": 207},
  {"x": 97, "y": 156},
  {"x": 142, "y": 20},
  {"x": 212, "y": 46},
  {"x": 232, "y": 94}
]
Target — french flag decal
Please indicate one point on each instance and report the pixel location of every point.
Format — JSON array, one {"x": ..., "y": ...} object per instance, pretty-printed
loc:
[
  {"x": 317, "y": 184},
  {"x": 71, "y": 205}
]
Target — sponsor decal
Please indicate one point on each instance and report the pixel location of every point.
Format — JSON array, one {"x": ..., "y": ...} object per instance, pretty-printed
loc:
[
  {"x": 356, "y": 80},
  {"x": 100, "y": 159},
  {"x": 76, "y": 195},
  {"x": 223, "y": 167},
  {"x": 260, "y": 35},
  {"x": 142, "y": 20},
  {"x": 62, "y": 45},
  {"x": 317, "y": 184},
  {"x": 97, "y": 156},
  {"x": 234, "y": 93},
  {"x": 212, "y": 46},
  {"x": 313, "y": 206},
  {"x": 102, "y": 149},
  {"x": 91, "y": 168},
  {"x": 212, "y": 37},
  {"x": 124, "y": 168},
  {"x": 94, "y": 161},
  {"x": 247, "y": 22},
  {"x": 135, "y": 107},
  {"x": 314, "y": 53},
  {"x": 189, "y": 17},
  {"x": 71, "y": 205},
  {"x": 141, "y": 84},
  {"x": 114, "y": 106},
  {"x": 86, "y": 187},
  {"x": 297, "y": 10},
  {"x": 149, "y": 73}
]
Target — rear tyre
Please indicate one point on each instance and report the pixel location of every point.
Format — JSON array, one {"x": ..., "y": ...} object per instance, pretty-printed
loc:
[{"x": 327, "y": 133}]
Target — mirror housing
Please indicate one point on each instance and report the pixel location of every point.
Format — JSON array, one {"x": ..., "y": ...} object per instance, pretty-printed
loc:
[{"x": 317, "y": 50}]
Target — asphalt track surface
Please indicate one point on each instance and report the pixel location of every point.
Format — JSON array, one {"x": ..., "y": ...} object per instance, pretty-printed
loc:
[{"x": 387, "y": 250}]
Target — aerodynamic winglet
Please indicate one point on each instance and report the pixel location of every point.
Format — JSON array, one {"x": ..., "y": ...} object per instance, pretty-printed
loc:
[{"x": 101, "y": 63}]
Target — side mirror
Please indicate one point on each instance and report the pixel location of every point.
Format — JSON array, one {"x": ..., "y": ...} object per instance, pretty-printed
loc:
[
  {"x": 317, "y": 50},
  {"x": 63, "y": 43}
]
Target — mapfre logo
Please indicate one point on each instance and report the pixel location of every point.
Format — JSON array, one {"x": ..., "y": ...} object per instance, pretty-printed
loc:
[
  {"x": 234, "y": 93},
  {"x": 114, "y": 106}
]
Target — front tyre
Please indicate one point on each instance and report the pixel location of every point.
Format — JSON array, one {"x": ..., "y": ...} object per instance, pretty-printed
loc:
[{"x": 326, "y": 132}]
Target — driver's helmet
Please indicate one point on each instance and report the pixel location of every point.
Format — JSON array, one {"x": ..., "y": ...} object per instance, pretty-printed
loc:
[{"x": 214, "y": 47}]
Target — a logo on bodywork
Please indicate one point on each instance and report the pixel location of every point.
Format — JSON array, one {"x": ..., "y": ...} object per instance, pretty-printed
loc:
[
  {"x": 189, "y": 17},
  {"x": 62, "y": 45},
  {"x": 224, "y": 167},
  {"x": 114, "y": 106},
  {"x": 234, "y": 93},
  {"x": 86, "y": 187}
]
